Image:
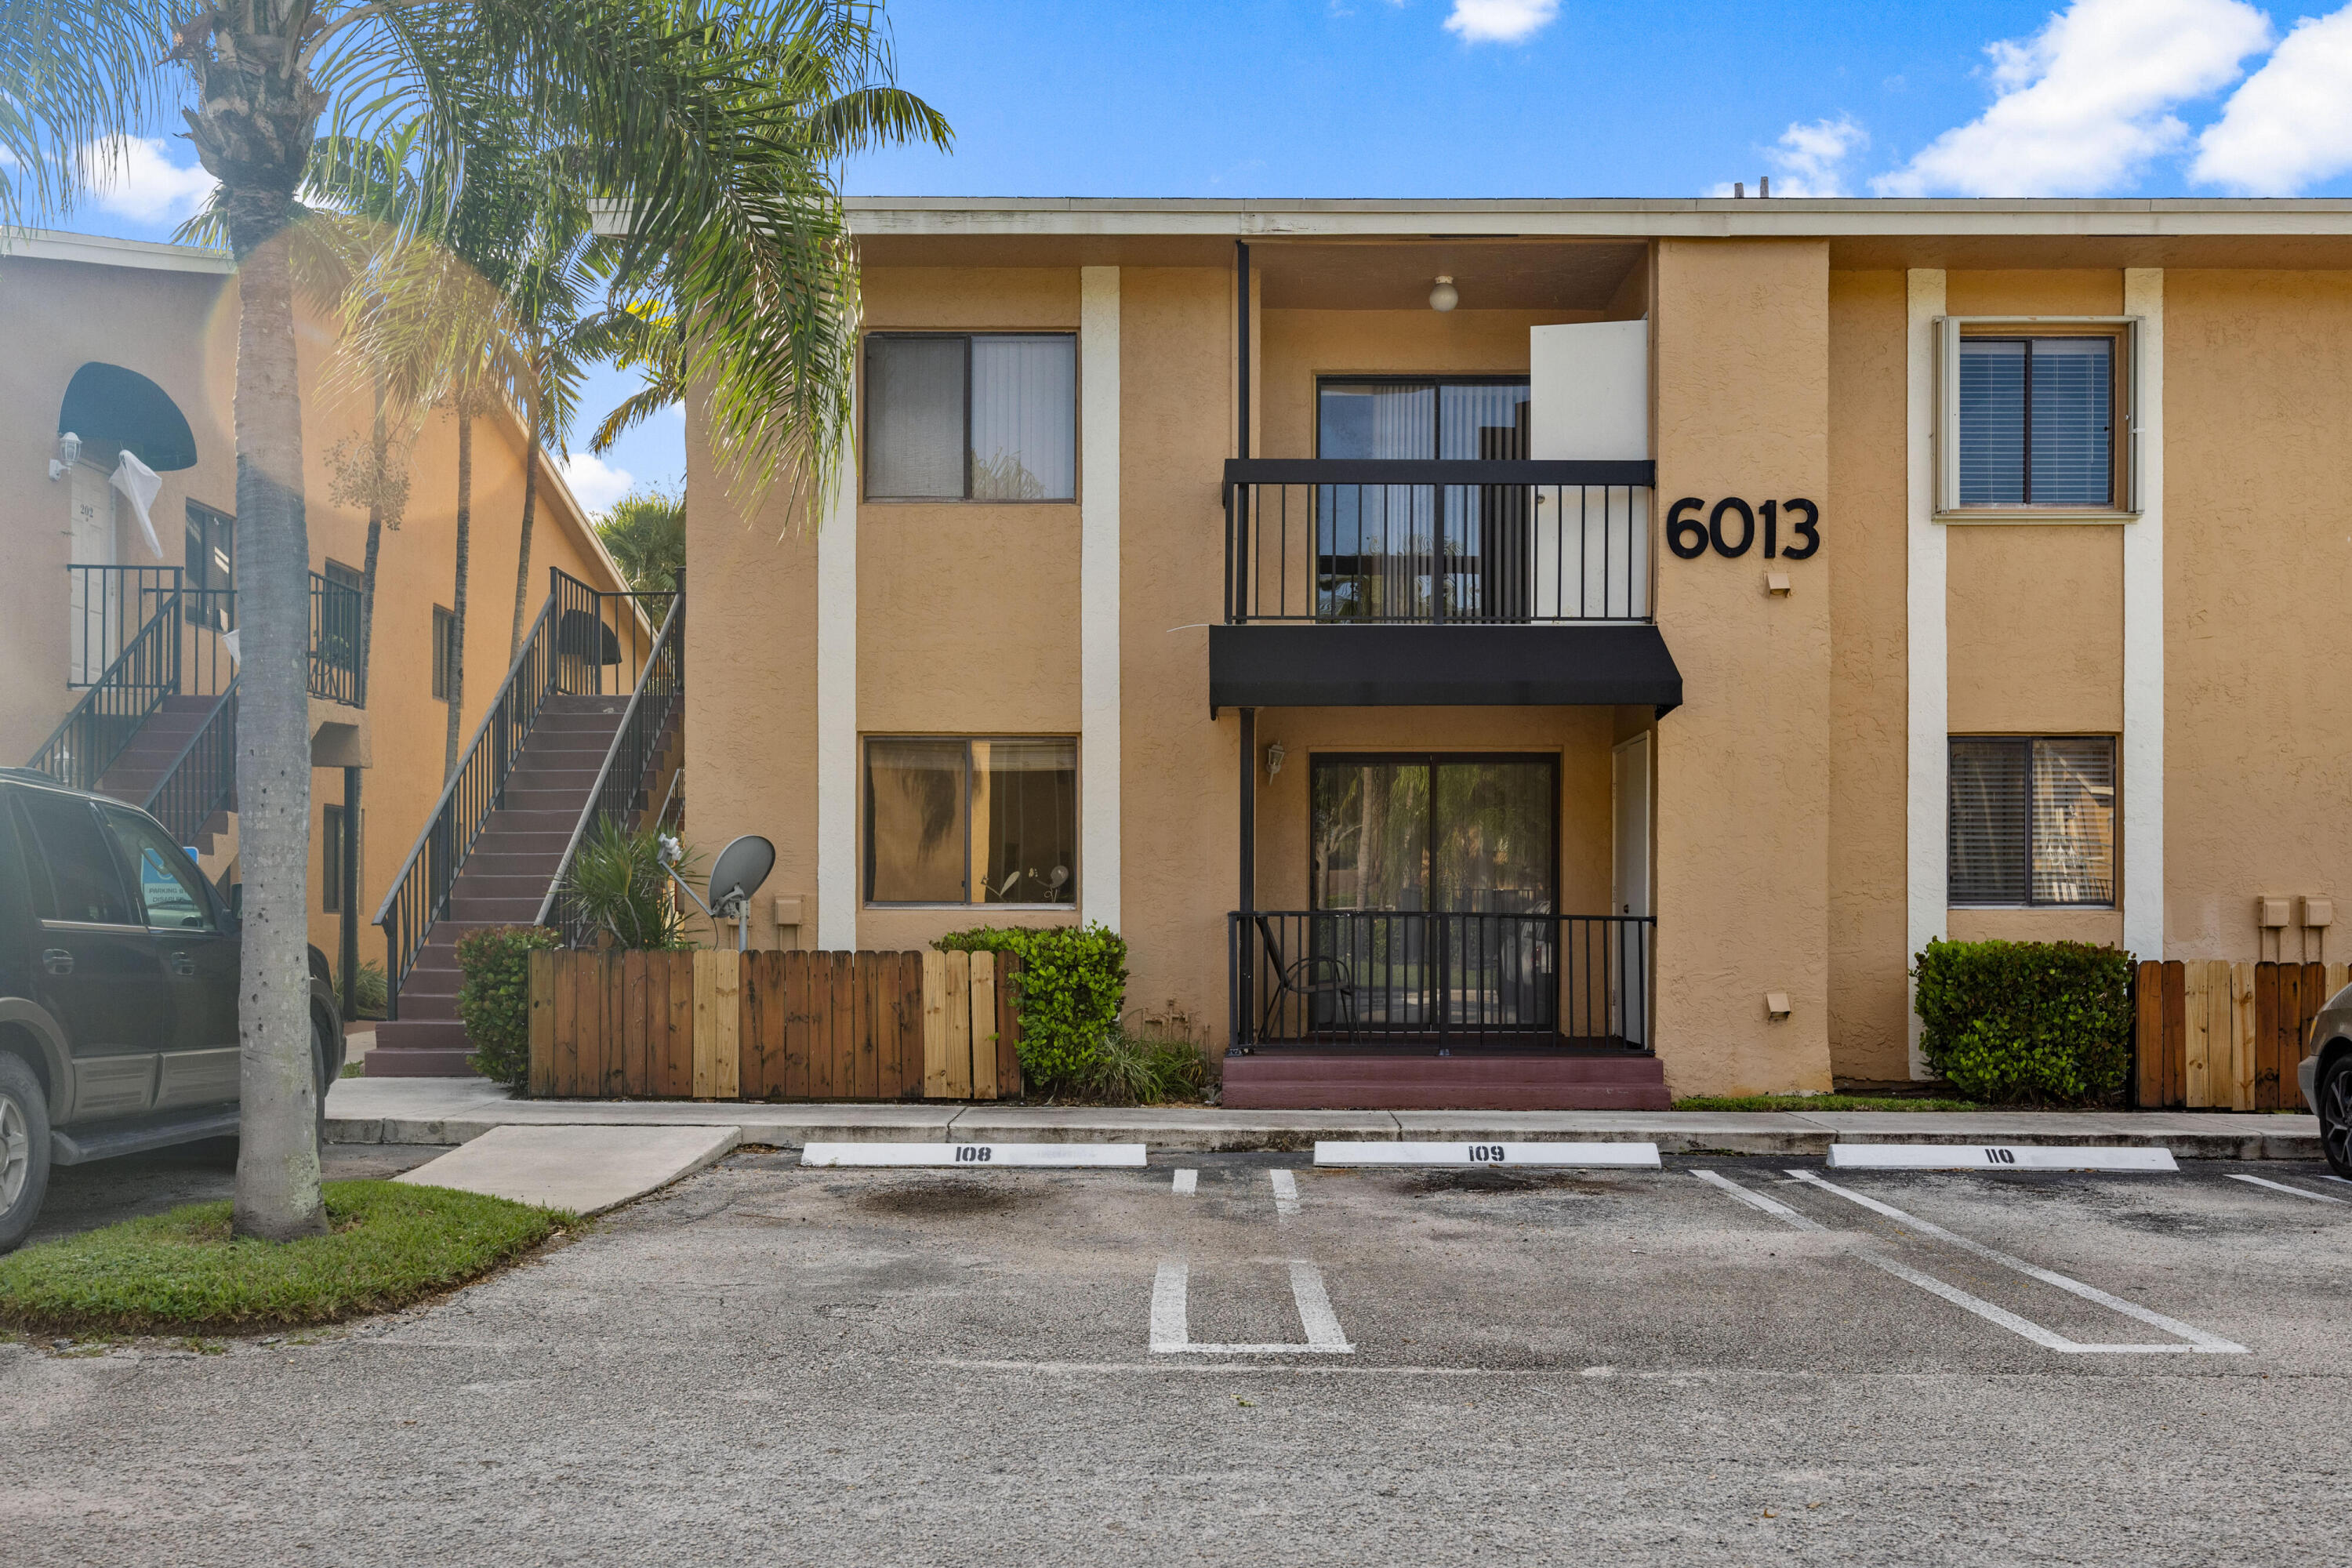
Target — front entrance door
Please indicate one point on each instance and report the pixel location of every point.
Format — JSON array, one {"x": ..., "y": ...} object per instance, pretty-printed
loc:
[{"x": 1432, "y": 887}]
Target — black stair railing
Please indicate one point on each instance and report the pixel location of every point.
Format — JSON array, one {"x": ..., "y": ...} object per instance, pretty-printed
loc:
[
  {"x": 132, "y": 686},
  {"x": 624, "y": 788},
  {"x": 201, "y": 782}
]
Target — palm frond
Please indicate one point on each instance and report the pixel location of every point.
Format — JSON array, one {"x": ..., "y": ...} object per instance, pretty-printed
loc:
[{"x": 81, "y": 76}]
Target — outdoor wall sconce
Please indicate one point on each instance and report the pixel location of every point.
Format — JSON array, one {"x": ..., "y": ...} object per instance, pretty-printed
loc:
[
  {"x": 1445, "y": 296},
  {"x": 1274, "y": 756},
  {"x": 68, "y": 453},
  {"x": 1776, "y": 1005}
]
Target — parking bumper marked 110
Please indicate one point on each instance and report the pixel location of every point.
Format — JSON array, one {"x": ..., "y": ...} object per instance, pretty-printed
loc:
[
  {"x": 1345, "y": 1153},
  {"x": 1285, "y": 1194},
  {"x": 1188, "y": 1182},
  {"x": 1171, "y": 1332},
  {"x": 1996, "y": 1157},
  {"x": 2283, "y": 1187},
  {"x": 973, "y": 1156},
  {"x": 2199, "y": 1340}
]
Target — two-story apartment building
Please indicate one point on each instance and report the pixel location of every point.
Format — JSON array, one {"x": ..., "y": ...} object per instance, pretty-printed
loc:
[
  {"x": 117, "y": 628},
  {"x": 1543, "y": 652}
]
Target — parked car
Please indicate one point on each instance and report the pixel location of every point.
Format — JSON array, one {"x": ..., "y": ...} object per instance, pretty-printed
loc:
[
  {"x": 2325, "y": 1075},
  {"x": 118, "y": 992}
]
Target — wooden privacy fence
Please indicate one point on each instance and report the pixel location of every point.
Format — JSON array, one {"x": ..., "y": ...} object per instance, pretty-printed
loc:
[
  {"x": 711, "y": 1025},
  {"x": 2212, "y": 1034}
]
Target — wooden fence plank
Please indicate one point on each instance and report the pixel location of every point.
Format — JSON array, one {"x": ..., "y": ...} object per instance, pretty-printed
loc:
[
  {"x": 935, "y": 1026},
  {"x": 2148, "y": 1035},
  {"x": 959, "y": 1021},
  {"x": 750, "y": 1070},
  {"x": 2242, "y": 1031},
  {"x": 2176, "y": 1022},
  {"x": 2197, "y": 1022},
  {"x": 2220, "y": 1048},
  {"x": 543, "y": 1022},
  {"x": 1008, "y": 1027},
  {"x": 907, "y": 1016},
  {"x": 727, "y": 1051},
  {"x": 796, "y": 1024},
  {"x": 636, "y": 1051},
  {"x": 873, "y": 1020},
  {"x": 680, "y": 1067},
  {"x": 843, "y": 1025},
  {"x": 2266, "y": 991},
  {"x": 706, "y": 1028},
  {"x": 2295, "y": 1022},
  {"x": 983, "y": 1025},
  {"x": 772, "y": 1027},
  {"x": 567, "y": 1026}
]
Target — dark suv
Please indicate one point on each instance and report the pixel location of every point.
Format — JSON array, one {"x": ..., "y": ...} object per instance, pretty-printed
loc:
[{"x": 118, "y": 992}]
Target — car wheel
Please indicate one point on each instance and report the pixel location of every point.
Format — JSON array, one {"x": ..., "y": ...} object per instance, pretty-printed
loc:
[
  {"x": 24, "y": 1149},
  {"x": 2335, "y": 1099}
]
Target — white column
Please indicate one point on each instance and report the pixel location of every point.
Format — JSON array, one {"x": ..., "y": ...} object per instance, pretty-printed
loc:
[
  {"x": 2141, "y": 766},
  {"x": 836, "y": 711},
  {"x": 1098, "y": 579},
  {"x": 1927, "y": 881}
]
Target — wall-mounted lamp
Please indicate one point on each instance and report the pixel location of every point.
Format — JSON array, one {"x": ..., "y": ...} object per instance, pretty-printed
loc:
[
  {"x": 1273, "y": 755},
  {"x": 1446, "y": 296},
  {"x": 68, "y": 453}
]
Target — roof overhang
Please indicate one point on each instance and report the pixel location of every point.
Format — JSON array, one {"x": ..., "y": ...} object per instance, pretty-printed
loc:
[{"x": 1604, "y": 664}]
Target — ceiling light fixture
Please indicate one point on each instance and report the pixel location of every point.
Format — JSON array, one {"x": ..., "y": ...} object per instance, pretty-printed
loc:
[{"x": 1445, "y": 296}]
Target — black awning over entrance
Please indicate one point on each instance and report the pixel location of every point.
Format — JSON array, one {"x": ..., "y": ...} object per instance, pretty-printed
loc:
[
  {"x": 1441, "y": 666},
  {"x": 107, "y": 404}
]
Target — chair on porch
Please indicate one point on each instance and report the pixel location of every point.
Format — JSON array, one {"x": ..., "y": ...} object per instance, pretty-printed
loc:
[{"x": 1306, "y": 978}]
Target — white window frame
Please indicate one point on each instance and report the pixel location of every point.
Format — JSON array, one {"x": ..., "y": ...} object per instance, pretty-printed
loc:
[{"x": 1946, "y": 436}]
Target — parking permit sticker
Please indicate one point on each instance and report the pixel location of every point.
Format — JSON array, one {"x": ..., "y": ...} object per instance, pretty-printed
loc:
[
  {"x": 1995, "y": 1157},
  {"x": 973, "y": 1156},
  {"x": 1474, "y": 1155}
]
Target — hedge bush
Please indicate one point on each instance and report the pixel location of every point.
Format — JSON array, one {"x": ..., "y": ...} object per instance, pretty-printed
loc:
[
  {"x": 2026, "y": 1022},
  {"x": 494, "y": 998},
  {"x": 1073, "y": 986}
]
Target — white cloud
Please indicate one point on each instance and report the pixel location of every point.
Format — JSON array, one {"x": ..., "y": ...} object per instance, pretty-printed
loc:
[
  {"x": 2291, "y": 124},
  {"x": 2086, "y": 102},
  {"x": 1810, "y": 160},
  {"x": 131, "y": 176},
  {"x": 595, "y": 483},
  {"x": 1500, "y": 21}
]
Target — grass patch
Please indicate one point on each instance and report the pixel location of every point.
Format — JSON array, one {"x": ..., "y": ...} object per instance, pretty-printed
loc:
[
  {"x": 1820, "y": 1102},
  {"x": 182, "y": 1273}
]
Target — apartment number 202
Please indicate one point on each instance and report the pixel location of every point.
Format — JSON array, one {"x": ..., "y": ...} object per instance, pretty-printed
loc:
[{"x": 1689, "y": 538}]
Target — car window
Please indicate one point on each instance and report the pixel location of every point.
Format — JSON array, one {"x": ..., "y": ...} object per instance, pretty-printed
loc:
[
  {"x": 84, "y": 882},
  {"x": 167, "y": 877}
]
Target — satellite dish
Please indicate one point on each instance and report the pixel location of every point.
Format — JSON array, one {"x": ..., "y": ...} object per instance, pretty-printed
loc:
[{"x": 741, "y": 866}]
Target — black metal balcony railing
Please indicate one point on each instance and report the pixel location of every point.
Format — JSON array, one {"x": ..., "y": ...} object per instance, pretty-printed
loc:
[
  {"x": 107, "y": 608},
  {"x": 1414, "y": 542},
  {"x": 335, "y": 641},
  {"x": 1409, "y": 977}
]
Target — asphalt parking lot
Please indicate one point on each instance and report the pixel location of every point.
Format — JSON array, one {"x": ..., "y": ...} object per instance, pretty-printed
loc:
[{"x": 1721, "y": 1360}]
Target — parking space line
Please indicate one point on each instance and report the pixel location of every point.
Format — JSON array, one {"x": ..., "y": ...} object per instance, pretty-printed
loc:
[
  {"x": 2283, "y": 1187},
  {"x": 1171, "y": 1332},
  {"x": 1772, "y": 1207},
  {"x": 2199, "y": 1340},
  {"x": 1285, "y": 1194},
  {"x": 1187, "y": 1183}
]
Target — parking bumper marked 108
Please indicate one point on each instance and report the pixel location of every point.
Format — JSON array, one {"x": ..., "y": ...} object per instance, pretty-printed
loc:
[
  {"x": 973, "y": 1156},
  {"x": 2283, "y": 1187},
  {"x": 1347, "y": 1152},
  {"x": 1285, "y": 1194},
  {"x": 1171, "y": 1332},
  {"x": 2199, "y": 1340},
  {"x": 1996, "y": 1157}
]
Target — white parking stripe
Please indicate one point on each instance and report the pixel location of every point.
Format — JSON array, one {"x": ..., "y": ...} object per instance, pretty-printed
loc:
[
  {"x": 2198, "y": 1337},
  {"x": 1171, "y": 1334},
  {"x": 1772, "y": 1207},
  {"x": 1187, "y": 1182},
  {"x": 2283, "y": 1187},
  {"x": 1285, "y": 1194}
]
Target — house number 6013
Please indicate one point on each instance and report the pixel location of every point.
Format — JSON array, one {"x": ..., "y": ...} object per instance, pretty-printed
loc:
[{"x": 1731, "y": 526}]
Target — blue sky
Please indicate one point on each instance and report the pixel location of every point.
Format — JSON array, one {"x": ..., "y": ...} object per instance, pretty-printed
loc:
[{"x": 1557, "y": 98}]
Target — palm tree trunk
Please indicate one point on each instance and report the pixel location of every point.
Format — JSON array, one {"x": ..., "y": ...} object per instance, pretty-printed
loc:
[
  {"x": 465, "y": 566},
  {"x": 375, "y": 543},
  {"x": 522, "y": 556},
  {"x": 278, "y": 1156}
]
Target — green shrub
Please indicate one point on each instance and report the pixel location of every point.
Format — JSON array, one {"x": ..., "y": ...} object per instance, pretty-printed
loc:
[
  {"x": 1072, "y": 985},
  {"x": 1145, "y": 1068},
  {"x": 371, "y": 992},
  {"x": 619, "y": 887},
  {"x": 2026, "y": 1022},
  {"x": 494, "y": 998}
]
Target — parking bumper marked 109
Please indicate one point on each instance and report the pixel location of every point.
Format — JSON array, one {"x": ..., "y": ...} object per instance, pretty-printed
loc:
[
  {"x": 2199, "y": 1340},
  {"x": 1187, "y": 1182},
  {"x": 1996, "y": 1157},
  {"x": 1171, "y": 1332},
  {"x": 1285, "y": 1194},
  {"x": 1345, "y": 1152},
  {"x": 973, "y": 1156},
  {"x": 2283, "y": 1187}
]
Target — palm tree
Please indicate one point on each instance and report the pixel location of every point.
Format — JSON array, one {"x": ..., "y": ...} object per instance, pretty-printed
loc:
[
  {"x": 693, "y": 116},
  {"x": 645, "y": 533}
]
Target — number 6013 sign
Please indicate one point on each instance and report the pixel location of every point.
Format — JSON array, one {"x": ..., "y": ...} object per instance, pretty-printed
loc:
[{"x": 1731, "y": 526}]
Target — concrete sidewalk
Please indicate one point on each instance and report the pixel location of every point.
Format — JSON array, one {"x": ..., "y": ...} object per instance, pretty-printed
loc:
[{"x": 456, "y": 1111}]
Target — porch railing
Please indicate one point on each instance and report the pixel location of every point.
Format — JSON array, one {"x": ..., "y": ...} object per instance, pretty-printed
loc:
[
  {"x": 1409, "y": 977},
  {"x": 201, "y": 782},
  {"x": 625, "y": 786},
  {"x": 108, "y": 606},
  {"x": 335, "y": 641},
  {"x": 1415, "y": 543},
  {"x": 134, "y": 684}
]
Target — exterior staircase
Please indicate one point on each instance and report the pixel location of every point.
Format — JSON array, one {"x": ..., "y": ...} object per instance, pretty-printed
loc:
[
  {"x": 138, "y": 772},
  {"x": 503, "y": 882}
]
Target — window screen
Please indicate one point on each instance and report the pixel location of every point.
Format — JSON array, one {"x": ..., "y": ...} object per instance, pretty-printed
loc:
[
  {"x": 2033, "y": 820},
  {"x": 2036, "y": 421},
  {"x": 445, "y": 643},
  {"x": 988, "y": 416}
]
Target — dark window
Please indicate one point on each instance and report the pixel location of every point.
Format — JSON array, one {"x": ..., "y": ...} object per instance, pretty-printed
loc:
[
  {"x": 330, "y": 867},
  {"x": 444, "y": 652},
  {"x": 971, "y": 822},
  {"x": 211, "y": 563},
  {"x": 85, "y": 883},
  {"x": 984, "y": 416},
  {"x": 2033, "y": 820},
  {"x": 1454, "y": 835},
  {"x": 166, "y": 875},
  {"x": 2036, "y": 421}
]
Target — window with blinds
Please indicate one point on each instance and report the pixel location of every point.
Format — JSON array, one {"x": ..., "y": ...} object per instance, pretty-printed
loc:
[
  {"x": 2032, "y": 819},
  {"x": 988, "y": 416},
  {"x": 2037, "y": 421}
]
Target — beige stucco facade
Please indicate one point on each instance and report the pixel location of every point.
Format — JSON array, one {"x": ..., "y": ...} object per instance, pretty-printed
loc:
[
  {"x": 169, "y": 313},
  {"x": 1788, "y": 812}
]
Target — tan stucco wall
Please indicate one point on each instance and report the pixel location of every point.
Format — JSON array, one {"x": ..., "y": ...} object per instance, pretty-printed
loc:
[
  {"x": 2034, "y": 629},
  {"x": 1742, "y": 843}
]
